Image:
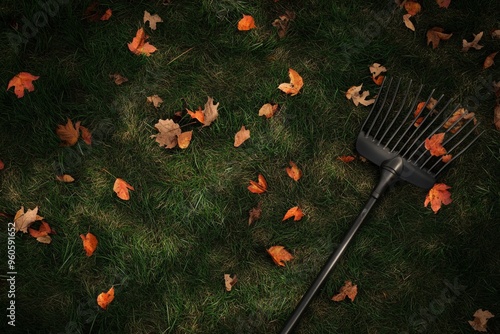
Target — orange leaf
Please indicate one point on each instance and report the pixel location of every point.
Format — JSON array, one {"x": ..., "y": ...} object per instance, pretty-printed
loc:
[
  {"x": 68, "y": 133},
  {"x": 86, "y": 135},
  {"x": 412, "y": 7},
  {"x": 433, "y": 144},
  {"x": 139, "y": 45},
  {"x": 438, "y": 195},
  {"x": 295, "y": 212},
  {"x": 417, "y": 113},
  {"x": 435, "y": 35},
  {"x": 296, "y": 83},
  {"x": 105, "y": 298},
  {"x": 198, "y": 114},
  {"x": 22, "y": 81},
  {"x": 2, "y": 165},
  {"x": 260, "y": 187},
  {"x": 246, "y": 23},
  {"x": 446, "y": 158},
  {"x": 89, "y": 243},
  {"x": 293, "y": 171},
  {"x": 378, "y": 80},
  {"x": 42, "y": 234},
  {"x": 121, "y": 188},
  {"x": 488, "y": 62},
  {"x": 230, "y": 281},
  {"x": 66, "y": 178},
  {"x": 268, "y": 110},
  {"x": 346, "y": 158},
  {"x": 456, "y": 116},
  {"x": 241, "y": 136},
  {"x": 279, "y": 255},
  {"x": 106, "y": 14},
  {"x": 348, "y": 290},
  {"x": 184, "y": 139},
  {"x": 496, "y": 116}
]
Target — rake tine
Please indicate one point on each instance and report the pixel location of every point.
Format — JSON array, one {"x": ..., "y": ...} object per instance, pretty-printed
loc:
[
  {"x": 398, "y": 113},
  {"x": 375, "y": 104},
  {"x": 387, "y": 111}
]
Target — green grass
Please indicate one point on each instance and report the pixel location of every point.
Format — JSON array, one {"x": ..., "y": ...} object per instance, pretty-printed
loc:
[{"x": 166, "y": 249}]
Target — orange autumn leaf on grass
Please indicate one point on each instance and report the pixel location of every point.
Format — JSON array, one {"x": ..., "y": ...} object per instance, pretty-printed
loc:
[
  {"x": 70, "y": 133},
  {"x": 107, "y": 14},
  {"x": 197, "y": 114},
  {"x": 121, "y": 188},
  {"x": 279, "y": 255},
  {"x": 241, "y": 136},
  {"x": 349, "y": 290},
  {"x": 139, "y": 45},
  {"x": 438, "y": 195},
  {"x": 294, "y": 212},
  {"x": 22, "y": 81},
  {"x": 434, "y": 144},
  {"x": 246, "y": 23},
  {"x": 346, "y": 158},
  {"x": 293, "y": 171},
  {"x": 296, "y": 83},
  {"x": 258, "y": 187},
  {"x": 105, "y": 298},
  {"x": 412, "y": 7},
  {"x": 42, "y": 234},
  {"x": 89, "y": 243}
]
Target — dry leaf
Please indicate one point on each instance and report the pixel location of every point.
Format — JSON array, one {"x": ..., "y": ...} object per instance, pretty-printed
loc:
[
  {"x": 118, "y": 78},
  {"x": 435, "y": 35},
  {"x": 474, "y": 44},
  {"x": 282, "y": 23},
  {"x": 241, "y": 136},
  {"x": 408, "y": 23},
  {"x": 210, "y": 112},
  {"x": 66, "y": 178},
  {"x": 42, "y": 234},
  {"x": 152, "y": 19},
  {"x": 416, "y": 114},
  {"x": 296, "y": 83},
  {"x": 155, "y": 100},
  {"x": 349, "y": 290},
  {"x": 443, "y": 3},
  {"x": 293, "y": 171},
  {"x": 68, "y": 133},
  {"x": 184, "y": 139},
  {"x": 89, "y": 243},
  {"x": 2, "y": 165},
  {"x": 446, "y": 158},
  {"x": 107, "y": 14},
  {"x": 495, "y": 33},
  {"x": 23, "y": 220},
  {"x": 412, "y": 7},
  {"x": 268, "y": 110},
  {"x": 480, "y": 320},
  {"x": 488, "y": 62},
  {"x": 438, "y": 195},
  {"x": 230, "y": 281},
  {"x": 198, "y": 114},
  {"x": 254, "y": 214},
  {"x": 86, "y": 135},
  {"x": 279, "y": 255},
  {"x": 258, "y": 187},
  {"x": 353, "y": 93},
  {"x": 456, "y": 116},
  {"x": 139, "y": 46},
  {"x": 376, "y": 69},
  {"x": 168, "y": 133},
  {"x": 434, "y": 144},
  {"x": 121, "y": 188},
  {"x": 346, "y": 158},
  {"x": 22, "y": 81},
  {"x": 496, "y": 116},
  {"x": 295, "y": 212},
  {"x": 105, "y": 298},
  {"x": 246, "y": 23}
]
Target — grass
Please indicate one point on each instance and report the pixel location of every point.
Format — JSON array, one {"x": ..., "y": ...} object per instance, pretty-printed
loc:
[{"x": 166, "y": 249}]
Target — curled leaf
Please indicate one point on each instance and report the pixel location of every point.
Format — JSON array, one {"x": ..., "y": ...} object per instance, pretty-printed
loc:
[
  {"x": 294, "y": 212},
  {"x": 121, "y": 188},
  {"x": 293, "y": 171},
  {"x": 184, "y": 139},
  {"x": 258, "y": 187},
  {"x": 229, "y": 281},
  {"x": 268, "y": 110},
  {"x": 296, "y": 83},
  {"x": 438, "y": 195},
  {"x": 66, "y": 178},
  {"x": 139, "y": 46},
  {"x": 435, "y": 35}
]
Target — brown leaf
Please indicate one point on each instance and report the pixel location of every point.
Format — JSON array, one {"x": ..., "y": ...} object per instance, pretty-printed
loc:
[
  {"x": 295, "y": 85},
  {"x": 107, "y": 15},
  {"x": 121, "y": 188},
  {"x": 23, "y": 220},
  {"x": 474, "y": 44},
  {"x": 211, "y": 113},
  {"x": 376, "y": 69},
  {"x": 279, "y": 255},
  {"x": 495, "y": 33},
  {"x": 230, "y": 281},
  {"x": 68, "y": 133},
  {"x": 353, "y": 93},
  {"x": 254, "y": 214},
  {"x": 268, "y": 110},
  {"x": 346, "y": 158},
  {"x": 155, "y": 100},
  {"x": 152, "y": 19},
  {"x": 488, "y": 62},
  {"x": 408, "y": 23},
  {"x": 480, "y": 320},
  {"x": 349, "y": 290},
  {"x": 118, "y": 78},
  {"x": 282, "y": 23},
  {"x": 443, "y": 3},
  {"x": 168, "y": 133},
  {"x": 86, "y": 135},
  {"x": 435, "y": 35},
  {"x": 412, "y": 7},
  {"x": 241, "y": 136},
  {"x": 42, "y": 234},
  {"x": 496, "y": 116}
]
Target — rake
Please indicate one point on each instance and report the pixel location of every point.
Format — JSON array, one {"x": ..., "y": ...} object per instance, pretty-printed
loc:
[{"x": 391, "y": 138}]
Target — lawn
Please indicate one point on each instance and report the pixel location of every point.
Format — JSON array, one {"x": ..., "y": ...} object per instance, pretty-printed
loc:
[{"x": 165, "y": 250}]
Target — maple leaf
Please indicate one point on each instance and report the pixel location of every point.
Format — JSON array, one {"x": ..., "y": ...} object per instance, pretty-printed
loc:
[
  {"x": 408, "y": 23},
  {"x": 293, "y": 171},
  {"x": 268, "y": 110},
  {"x": 241, "y": 136},
  {"x": 480, "y": 320},
  {"x": 417, "y": 113},
  {"x": 23, "y": 220},
  {"x": 86, "y": 135},
  {"x": 155, "y": 100},
  {"x": 22, "y": 81},
  {"x": 258, "y": 187},
  {"x": 118, "y": 78},
  {"x": 139, "y": 45},
  {"x": 42, "y": 234},
  {"x": 168, "y": 133},
  {"x": 66, "y": 178},
  {"x": 68, "y": 133},
  {"x": 412, "y": 7},
  {"x": 282, "y": 23},
  {"x": 353, "y": 93},
  {"x": 107, "y": 14},
  {"x": 229, "y": 281},
  {"x": 346, "y": 158},
  {"x": 184, "y": 139},
  {"x": 89, "y": 243},
  {"x": 456, "y": 116},
  {"x": 121, "y": 188},
  {"x": 438, "y": 195},
  {"x": 152, "y": 19},
  {"x": 488, "y": 61},
  {"x": 435, "y": 35},
  {"x": 246, "y": 23},
  {"x": 434, "y": 144},
  {"x": 474, "y": 44},
  {"x": 295, "y": 212},
  {"x": 296, "y": 83},
  {"x": 105, "y": 298},
  {"x": 210, "y": 112},
  {"x": 198, "y": 115},
  {"x": 279, "y": 255},
  {"x": 254, "y": 214},
  {"x": 349, "y": 290},
  {"x": 443, "y": 3}
]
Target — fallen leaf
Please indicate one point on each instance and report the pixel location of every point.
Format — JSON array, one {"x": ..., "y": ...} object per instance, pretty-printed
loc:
[
  {"x": 86, "y": 135},
  {"x": 105, "y": 298},
  {"x": 480, "y": 320},
  {"x": 435, "y": 35},
  {"x": 456, "y": 116},
  {"x": 412, "y": 7},
  {"x": 443, "y": 3},
  {"x": 210, "y": 112},
  {"x": 42, "y": 234},
  {"x": 230, "y": 281},
  {"x": 258, "y": 187},
  {"x": 438, "y": 195},
  {"x": 68, "y": 133},
  {"x": 139, "y": 46},
  {"x": 279, "y": 255},
  {"x": 349, "y": 290},
  {"x": 268, "y": 110},
  {"x": 353, "y": 93},
  {"x": 89, "y": 243},
  {"x": 23, "y": 220},
  {"x": 66, "y": 178},
  {"x": 474, "y": 44},
  {"x": 296, "y": 83},
  {"x": 168, "y": 133},
  {"x": 22, "y": 81},
  {"x": 254, "y": 214},
  {"x": 495, "y": 33},
  {"x": 346, "y": 158},
  {"x": 282, "y": 23},
  {"x": 184, "y": 139},
  {"x": 496, "y": 116},
  {"x": 198, "y": 115},
  {"x": 488, "y": 61},
  {"x": 241, "y": 136},
  {"x": 2, "y": 165},
  {"x": 376, "y": 69},
  {"x": 295, "y": 212},
  {"x": 378, "y": 80},
  {"x": 433, "y": 144},
  {"x": 121, "y": 188},
  {"x": 152, "y": 19},
  {"x": 446, "y": 158},
  {"x": 118, "y": 78},
  {"x": 293, "y": 171},
  {"x": 246, "y": 23},
  {"x": 408, "y": 23},
  {"x": 107, "y": 14},
  {"x": 155, "y": 100}
]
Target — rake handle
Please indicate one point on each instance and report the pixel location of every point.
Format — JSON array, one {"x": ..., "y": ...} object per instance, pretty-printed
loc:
[{"x": 390, "y": 173}]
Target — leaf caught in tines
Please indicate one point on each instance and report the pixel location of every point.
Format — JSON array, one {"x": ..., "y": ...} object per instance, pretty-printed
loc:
[
  {"x": 42, "y": 234},
  {"x": 155, "y": 100},
  {"x": 68, "y": 133},
  {"x": 229, "y": 281},
  {"x": 210, "y": 112},
  {"x": 408, "y": 23},
  {"x": 89, "y": 243},
  {"x": 152, "y": 19},
  {"x": 457, "y": 116},
  {"x": 349, "y": 290},
  {"x": 66, "y": 178},
  {"x": 23, "y": 220},
  {"x": 139, "y": 46},
  {"x": 474, "y": 44},
  {"x": 22, "y": 81},
  {"x": 268, "y": 110},
  {"x": 254, "y": 214},
  {"x": 434, "y": 144},
  {"x": 241, "y": 136},
  {"x": 168, "y": 133},
  {"x": 480, "y": 320},
  {"x": 246, "y": 23},
  {"x": 184, "y": 139},
  {"x": 279, "y": 255},
  {"x": 118, "y": 78},
  {"x": 293, "y": 171},
  {"x": 438, "y": 195},
  {"x": 105, "y": 298},
  {"x": 295, "y": 85},
  {"x": 294, "y": 212},
  {"x": 121, "y": 188},
  {"x": 258, "y": 187},
  {"x": 488, "y": 61},
  {"x": 435, "y": 35}
]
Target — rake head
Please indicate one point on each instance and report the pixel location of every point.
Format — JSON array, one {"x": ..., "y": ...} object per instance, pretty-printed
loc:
[{"x": 399, "y": 124}]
